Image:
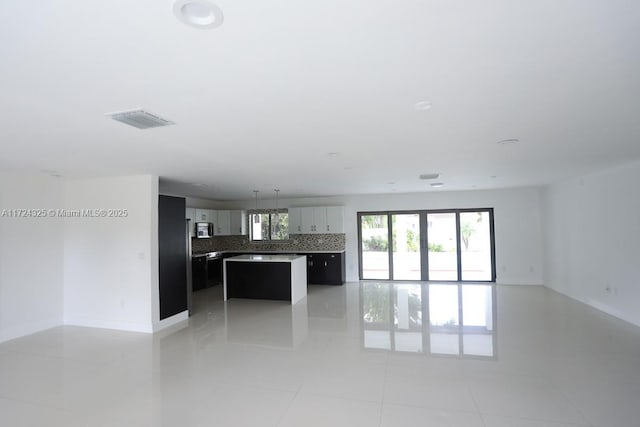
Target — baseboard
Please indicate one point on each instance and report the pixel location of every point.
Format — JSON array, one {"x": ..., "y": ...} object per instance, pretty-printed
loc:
[
  {"x": 28, "y": 329},
  {"x": 109, "y": 324},
  {"x": 170, "y": 321},
  {"x": 597, "y": 306}
]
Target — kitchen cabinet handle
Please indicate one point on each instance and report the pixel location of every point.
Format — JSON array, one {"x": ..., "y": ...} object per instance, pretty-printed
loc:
[
  {"x": 325, "y": 263},
  {"x": 328, "y": 227}
]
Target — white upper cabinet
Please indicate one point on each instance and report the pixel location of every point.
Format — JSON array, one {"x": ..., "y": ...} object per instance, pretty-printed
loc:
[
  {"x": 238, "y": 223},
  {"x": 335, "y": 219},
  {"x": 206, "y": 215},
  {"x": 316, "y": 220},
  {"x": 307, "y": 224},
  {"x": 319, "y": 220},
  {"x": 295, "y": 215},
  {"x": 308, "y": 220},
  {"x": 223, "y": 224}
]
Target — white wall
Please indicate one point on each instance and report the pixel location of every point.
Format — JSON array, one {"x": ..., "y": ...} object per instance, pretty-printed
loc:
[
  {"x": 111, "y": 264},
  {"x": 593, "y": 240},
  {"x": 517, "y": 218},
  {"x": 31, "y": 256},
  {"x": 195, "y": 202}
]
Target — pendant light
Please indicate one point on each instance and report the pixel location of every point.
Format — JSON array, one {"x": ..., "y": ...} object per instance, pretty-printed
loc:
[
  {"x": 256, "y": 216},
  {"x": 277, "y": 224}
]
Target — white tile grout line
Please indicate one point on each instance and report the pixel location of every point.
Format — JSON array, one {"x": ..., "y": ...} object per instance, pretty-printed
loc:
[
  {"x": 384, "y": 387},
  {"x": 286, "y": 411},
  {"x": 566, "y": 396},
  {"x": 475, "y": 403},
  {"x": 482, "y": 414}
]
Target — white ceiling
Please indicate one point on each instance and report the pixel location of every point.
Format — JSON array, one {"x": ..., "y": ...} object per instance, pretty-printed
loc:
[{"x": 260, "y": 101}]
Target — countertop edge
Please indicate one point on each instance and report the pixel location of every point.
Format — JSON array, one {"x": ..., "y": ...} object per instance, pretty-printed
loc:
[
  {"x": 199, "y": 254},
  {"x": 269, "y": 258}
]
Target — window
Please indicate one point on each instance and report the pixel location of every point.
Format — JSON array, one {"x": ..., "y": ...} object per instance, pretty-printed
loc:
[
  {"x": 442, "y": 245},
  {"x": 269, "y": 225}
]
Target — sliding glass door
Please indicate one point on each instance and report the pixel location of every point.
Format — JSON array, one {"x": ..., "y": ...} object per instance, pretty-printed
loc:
[
  {"x": 406, "y": 246},
  {"x": 475, "y": 245},
  {"x": 443, "y": 245},
  {"x": 374, "y": 246}
]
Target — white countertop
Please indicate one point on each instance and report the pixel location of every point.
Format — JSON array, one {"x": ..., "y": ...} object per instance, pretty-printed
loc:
[
  {"x": 275, "y": 252},
  {"x": 265, "y": 258}
]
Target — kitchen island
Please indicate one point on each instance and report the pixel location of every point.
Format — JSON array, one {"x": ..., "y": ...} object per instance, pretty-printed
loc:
[{"x": 274, "y": 277}]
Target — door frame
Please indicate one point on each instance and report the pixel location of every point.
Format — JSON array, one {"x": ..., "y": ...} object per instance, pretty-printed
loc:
[{"x": 424, "y": 241}]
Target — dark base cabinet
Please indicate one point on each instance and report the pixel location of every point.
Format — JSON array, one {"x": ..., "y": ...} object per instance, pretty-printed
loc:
[
  {"x": 214, "y": 273},
  {"x": 326, "y": 268},
  {"x": 259, "y": 280},
  {"x": 205, "y": 272},
  {"x": 199, "y": 272}
]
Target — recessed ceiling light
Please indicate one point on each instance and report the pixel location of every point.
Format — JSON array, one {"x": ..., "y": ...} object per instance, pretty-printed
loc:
[
  {"x": 333, "y": 154},
  {"x": 391, "y": 183},
  {"x": 509, "y": 141},
  {"x": 437, "y": 184},
  {"x": 423, "y": 105},
  {"x": 493, "y": 176},
  {"x": 429, "y": 176},
  {"x": 198, "y": 13}
]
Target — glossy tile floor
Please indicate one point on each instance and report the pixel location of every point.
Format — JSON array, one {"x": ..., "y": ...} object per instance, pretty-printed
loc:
[{"x": 370, "y": 354}]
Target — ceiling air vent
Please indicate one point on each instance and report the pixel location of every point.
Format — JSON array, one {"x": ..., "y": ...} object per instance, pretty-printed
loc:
[{"x": 140, "y": 119}]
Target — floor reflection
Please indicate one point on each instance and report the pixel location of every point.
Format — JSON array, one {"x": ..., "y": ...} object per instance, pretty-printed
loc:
[
  {"x": 437, "y": 319},
  {"x": 282, "y": 326}
]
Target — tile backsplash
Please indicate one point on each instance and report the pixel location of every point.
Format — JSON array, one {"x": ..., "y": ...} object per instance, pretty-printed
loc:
[{"x": 296, "y": 243}]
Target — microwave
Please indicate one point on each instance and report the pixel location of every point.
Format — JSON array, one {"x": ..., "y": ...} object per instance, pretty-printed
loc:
[{"x": 204, "y": 230}]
